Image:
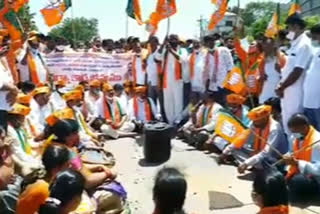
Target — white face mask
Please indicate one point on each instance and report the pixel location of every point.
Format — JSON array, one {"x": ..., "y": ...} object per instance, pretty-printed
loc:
[
  {"x": 291, "y": 35},
  {"x": 109, "y": 98},
  {"x": 315, "y": 43},
  {"x": 60, "y": 47}
]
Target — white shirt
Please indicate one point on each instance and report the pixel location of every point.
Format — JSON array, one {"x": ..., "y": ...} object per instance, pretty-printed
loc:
[
  {"x": 299, "y": 56},
  {"x": 171, "y": 65},
  {"x": 38, "y": 115},
  {"x": 224, "y": 66},
  {"x": 152, "y": 70},
  {"x": 41, "y": 70},
  {"x": 58, "y": 101},
  {"x": 311, "y": 86},
  {"x": 273, "y": 78},
  {"x": 140, "y": 73},
  {"x": 197, "y": 82},
  {"x": 213, "y": 118},
  {"x": 141, "y": 110},
  {"x": 5, "y": 78},
  {"x": 92, "y": 103},
  {"x": 112, "y": 106},
  {"x": 124, "y": 100}
]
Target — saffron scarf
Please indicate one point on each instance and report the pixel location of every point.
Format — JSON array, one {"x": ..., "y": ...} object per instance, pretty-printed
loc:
[
  {"x": 33, "y": 69},
  {"x": 178, "y": 74},
  {"x": 117, "y": 115},
  {"x": 192, "y": 64},
  {"x": 216, "y": 64},
  {"x": 281, "y": 209},
  {"x": 147, "y": 108},
  {"x": 261, "y": 141},
  {"x": 205, "y": 116},
  {"x": 303, "y": 152},
  {"x": 134, "y": 70}
]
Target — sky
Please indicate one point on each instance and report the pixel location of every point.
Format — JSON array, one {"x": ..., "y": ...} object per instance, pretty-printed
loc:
[{"x": 112, "y": 17}]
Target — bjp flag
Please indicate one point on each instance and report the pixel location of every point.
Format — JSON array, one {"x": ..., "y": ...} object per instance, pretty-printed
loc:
[
  {"x": 235, "y": 81},
  {"x": 228, "y": 127},
  {"x": 295, "y": 8},
  {"x": 164, "y": 9},
  {"x": 53, "y": 15},
  {"x": 219, "y": 14},
  {"x": 273, "y": 27},
  {"x": 134, "y": 11}
]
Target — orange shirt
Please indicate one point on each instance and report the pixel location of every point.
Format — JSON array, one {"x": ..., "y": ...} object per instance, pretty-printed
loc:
[{"x": 33, "y": 197}]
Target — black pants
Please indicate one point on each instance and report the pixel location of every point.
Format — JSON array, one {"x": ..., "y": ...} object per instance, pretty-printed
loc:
[
  {"x": 303, "y": 190},
  {"x": 4, "y": 119}
]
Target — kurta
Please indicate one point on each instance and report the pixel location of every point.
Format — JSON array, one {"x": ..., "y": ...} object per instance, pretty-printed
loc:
[{"x": 142, "y": 115}]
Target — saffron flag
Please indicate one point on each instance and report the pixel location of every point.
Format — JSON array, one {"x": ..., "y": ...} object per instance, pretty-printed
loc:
[
  {"x": 134, "y": 11},
  {"x": 218, "y": 16},
  {"x": 53, "y": 14},
  {"x": 235, "y": 81},
  {"x": 295, "y": 8},
  {"x": 228, "y": 127},
  {"x": 273, "y": 27},
  {"x": 164, "y": 9}
]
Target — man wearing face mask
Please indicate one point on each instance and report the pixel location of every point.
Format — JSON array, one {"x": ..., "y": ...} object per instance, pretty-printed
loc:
[
  {"x": 32, "y": 67},
  {"x": 74, "y": 101},
  {"x": 172, "y": 56},
  {"x": 290, "y": 87},
  {"x": 57, "y": 95},
  {"x": 22, "y": 147},
  {"x": 116, "y": 119},
  {"x": 218, "y": 64},
  {"x": 304, "y": 164},
  {"x": 96, "y": 46},
  {"x": 311, "y": 86},
  {"x": 141, "y": 108},
  {"x": 197, "y": 65},
  {"x": 91, "y": 98},
  {"x": 255, "y": 146},
  {"x": 41, "y": 107}
]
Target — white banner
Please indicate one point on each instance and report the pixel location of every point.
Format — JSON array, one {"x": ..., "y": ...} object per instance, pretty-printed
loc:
[{"x": 78, "y": 66}]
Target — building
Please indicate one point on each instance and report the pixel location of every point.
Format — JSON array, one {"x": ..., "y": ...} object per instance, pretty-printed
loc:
[{"x": 227, "y": 25}]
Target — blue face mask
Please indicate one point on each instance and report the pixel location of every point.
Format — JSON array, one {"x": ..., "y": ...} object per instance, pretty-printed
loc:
[{"x": 298, "y": 136}]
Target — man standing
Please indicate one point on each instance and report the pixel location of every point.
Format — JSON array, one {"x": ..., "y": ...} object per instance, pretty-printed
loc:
[
  {"x": 138, "y": 68},
  {"x": 154, "y": 69},
  {"x": 8, "y": 91},
  {"x": 311, "y": 86},
  {"x": 290, "y": 87},
  {"x": 197, "y": 66},
  {"x": 171, "y": 56},
  {"x": 218, "y": 63},
  {"x": 32, "y": 66}
]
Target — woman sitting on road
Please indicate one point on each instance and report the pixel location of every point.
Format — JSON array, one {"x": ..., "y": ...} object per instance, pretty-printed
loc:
[
  {"x": 169, "y": 192},
  {"x": 270, "y": 192}
]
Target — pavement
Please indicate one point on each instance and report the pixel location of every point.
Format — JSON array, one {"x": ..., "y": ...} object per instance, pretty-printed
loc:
[{"x": 202, "y": 172}]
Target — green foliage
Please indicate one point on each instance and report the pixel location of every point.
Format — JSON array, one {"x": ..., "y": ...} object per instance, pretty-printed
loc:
[
  {"x": 254, "y": 11},
  {"x": 312, "y": 21},
  {"x": 27, "y": 19},
  {"x": 77, "y": 30}
]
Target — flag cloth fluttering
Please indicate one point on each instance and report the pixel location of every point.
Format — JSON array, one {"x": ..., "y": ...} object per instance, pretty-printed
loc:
[
  {"x": 273, "y": 27},
  {"x": 218, "y": 15},
  {"x": 53, "y": 14},
  {"x": 165, "y": 9},
  {"x": 134, "y": 11},
  {"x": 295, "y": 8}
]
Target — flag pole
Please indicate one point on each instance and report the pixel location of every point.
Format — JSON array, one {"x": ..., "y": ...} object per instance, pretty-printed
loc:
[
  {"x": 127, "y": 26},
  {"x": 72, "y": 25},
  {"x": 168, "y": 17}
]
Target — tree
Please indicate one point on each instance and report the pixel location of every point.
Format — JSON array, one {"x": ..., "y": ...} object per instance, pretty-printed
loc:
[
  {"x": 27, "y": 19},
  {"x": 77, "y": 30},
  {"x": 257, "y": 10},
  {"x": 312, "y": 21}
]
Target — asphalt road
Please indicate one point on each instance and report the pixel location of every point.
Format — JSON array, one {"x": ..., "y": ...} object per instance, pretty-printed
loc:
[{"x": 202, "y": 173}]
